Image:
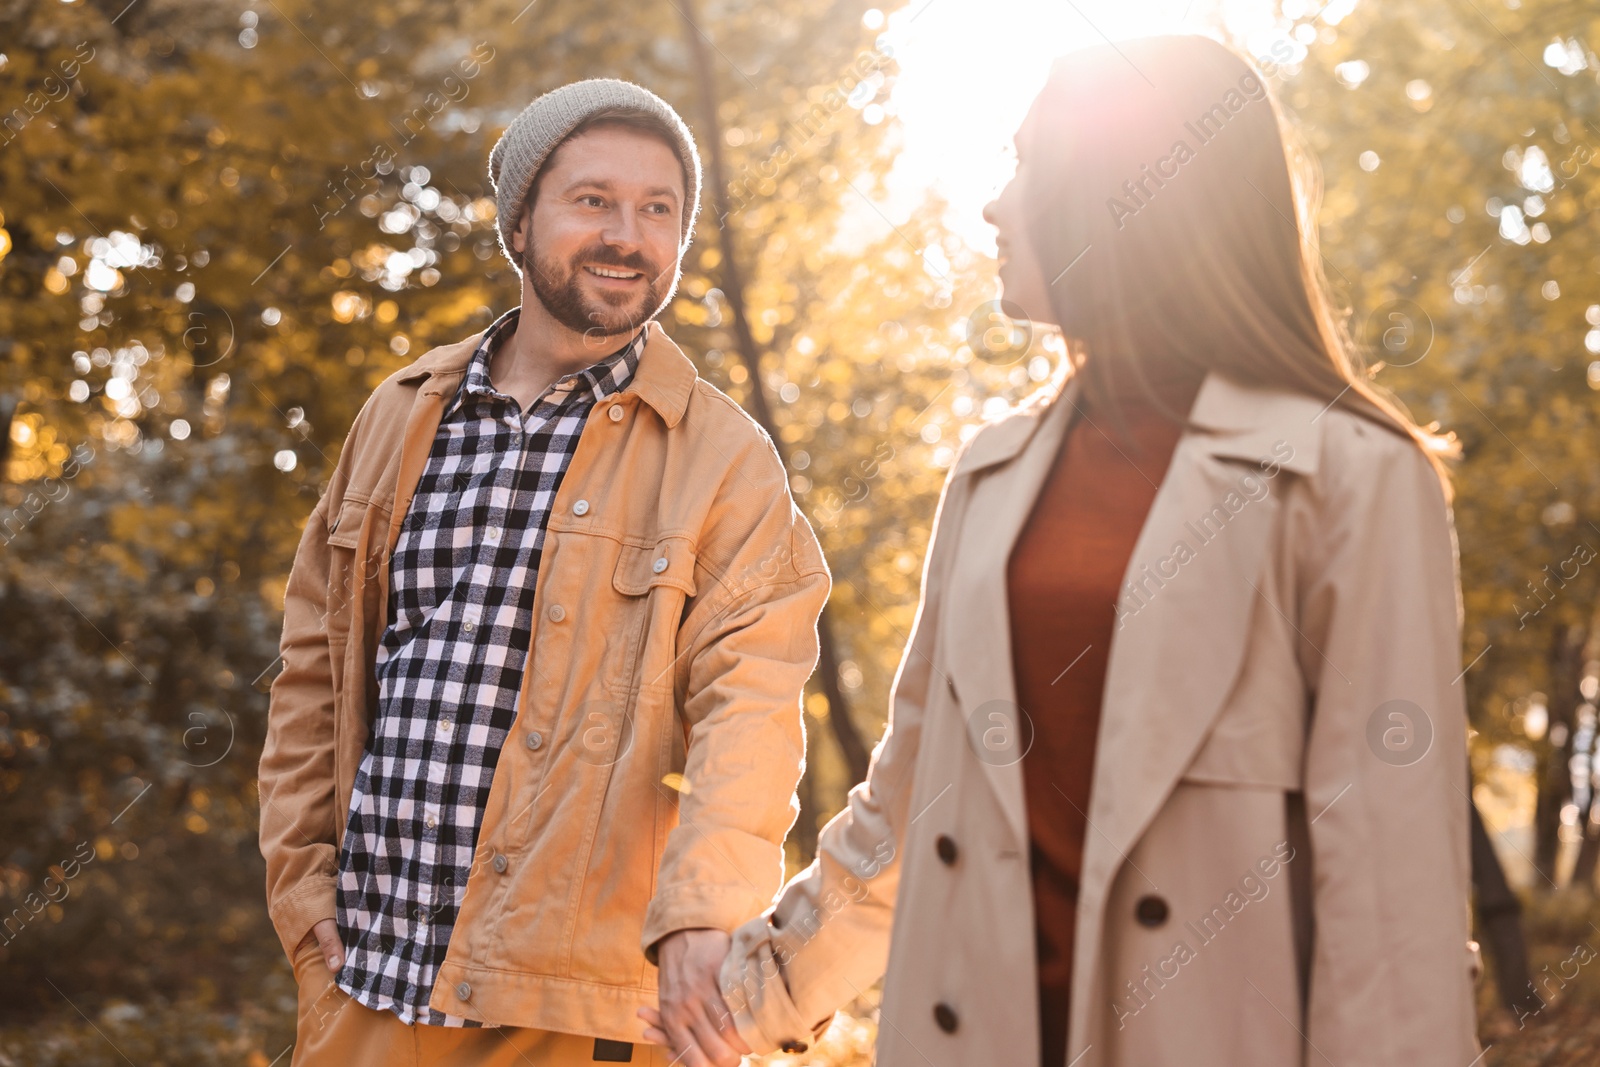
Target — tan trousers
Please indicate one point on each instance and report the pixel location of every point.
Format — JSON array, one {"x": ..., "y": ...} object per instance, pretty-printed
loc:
[{"x": 334, "y": 1030}]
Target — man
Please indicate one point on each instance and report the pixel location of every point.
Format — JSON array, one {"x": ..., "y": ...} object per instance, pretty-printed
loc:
[{"x": 533, "y": 750}]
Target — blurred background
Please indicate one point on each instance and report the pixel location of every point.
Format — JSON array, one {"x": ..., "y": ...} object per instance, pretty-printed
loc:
[{"x": 222, "y": 223}]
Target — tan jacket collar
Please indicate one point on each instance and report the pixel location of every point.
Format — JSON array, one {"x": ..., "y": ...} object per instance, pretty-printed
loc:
[
  {"x": 664, "y": 380},
  {"x": 1250, "y": 422}
]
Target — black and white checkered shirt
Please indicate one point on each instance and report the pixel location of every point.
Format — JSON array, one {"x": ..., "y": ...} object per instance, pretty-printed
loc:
[{"x": 449, "y": 668}]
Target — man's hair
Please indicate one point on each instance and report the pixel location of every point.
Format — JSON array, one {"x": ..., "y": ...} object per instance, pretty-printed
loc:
[{"x": 631, "y": 118}]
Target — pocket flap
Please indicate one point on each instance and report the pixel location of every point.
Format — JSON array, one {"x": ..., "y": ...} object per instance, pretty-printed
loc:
[
  {"x": 345, "y": 530},
  {"x": 669, "y": 562}
]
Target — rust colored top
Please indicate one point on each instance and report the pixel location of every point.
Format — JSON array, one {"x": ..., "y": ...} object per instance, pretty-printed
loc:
[{"x": 1062, "y": 582}]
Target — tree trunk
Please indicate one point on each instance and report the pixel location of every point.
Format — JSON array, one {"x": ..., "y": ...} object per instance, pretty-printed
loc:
[
  {"x": 1554, "y": 770},
  {"x": 1500, "y": 923},
  {"x": 854, "y": 749},
  {"x": 1589, "y": 851}
]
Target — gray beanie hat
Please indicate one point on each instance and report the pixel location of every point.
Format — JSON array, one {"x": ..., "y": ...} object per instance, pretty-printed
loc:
[{"x": 545, "y": 123}]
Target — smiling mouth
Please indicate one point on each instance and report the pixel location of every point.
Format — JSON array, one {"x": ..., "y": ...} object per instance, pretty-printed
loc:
[{"x": 612, "y": 272}]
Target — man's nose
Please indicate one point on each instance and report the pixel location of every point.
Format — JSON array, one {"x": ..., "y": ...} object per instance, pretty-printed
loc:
[{"x": 622, "y": 229}]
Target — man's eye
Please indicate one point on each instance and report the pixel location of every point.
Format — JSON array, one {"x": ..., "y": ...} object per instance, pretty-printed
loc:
[
  {"x": 591, "y": 201},
  {"x": 659, "y": 209}
]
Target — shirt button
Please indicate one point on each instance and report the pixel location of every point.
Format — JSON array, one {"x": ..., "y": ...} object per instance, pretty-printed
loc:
[
  {"x": 581, "y": 508},
  {"x": 534, "y": 740},
  {"x": 615, "y": 414},
  {"x": 463, "y": 991},
  {"x": 557, "y": 613},
  {"x": 446, "y": 726},
  {"x": 659, "y": 565},
  {"x": 429, "y": 821},
  {"x": 467, "y": 626},
  {"x": 492, "y": 533},
  {"x": 499, "y": 862}
]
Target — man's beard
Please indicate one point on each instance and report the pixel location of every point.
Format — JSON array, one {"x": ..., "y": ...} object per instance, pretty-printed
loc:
[{"x": 559, "y": 289}]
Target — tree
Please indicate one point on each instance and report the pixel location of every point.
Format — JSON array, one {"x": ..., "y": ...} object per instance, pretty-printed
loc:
[{"x": 1459, "y": 224}]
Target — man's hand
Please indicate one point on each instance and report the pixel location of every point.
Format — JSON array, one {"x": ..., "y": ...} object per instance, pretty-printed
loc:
[
  {"x": 693, "y": 1020},
  {"x": 326, "y": 931}
]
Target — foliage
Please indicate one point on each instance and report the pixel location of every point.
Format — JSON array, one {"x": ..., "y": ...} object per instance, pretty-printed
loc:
[{"x": 1459, "y": 224}]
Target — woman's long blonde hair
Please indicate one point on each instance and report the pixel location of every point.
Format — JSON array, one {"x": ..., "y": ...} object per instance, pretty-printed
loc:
[{"x": 1173, "y": 211}]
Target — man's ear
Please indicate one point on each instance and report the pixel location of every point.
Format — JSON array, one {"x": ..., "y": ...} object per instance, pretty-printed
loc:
[{"x": 519, "y": 232}]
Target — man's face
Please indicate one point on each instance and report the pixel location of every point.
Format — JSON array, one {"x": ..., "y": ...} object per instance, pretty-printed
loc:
[{"x": 600, "y": 246}]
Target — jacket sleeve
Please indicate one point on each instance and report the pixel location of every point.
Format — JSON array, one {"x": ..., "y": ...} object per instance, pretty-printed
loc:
[
  {"x": 296, "y": 774},
  {"x": 746, "y": 649},
  {"x": 1385, "y": 778},
  {"x": 826, "y": 939}
]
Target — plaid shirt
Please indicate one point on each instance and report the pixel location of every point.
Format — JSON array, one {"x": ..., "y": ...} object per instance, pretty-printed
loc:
[{"x": 449, "y": 669}]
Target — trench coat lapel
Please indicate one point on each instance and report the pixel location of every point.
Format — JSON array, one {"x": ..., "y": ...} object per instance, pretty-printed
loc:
[
  {"x": 1186, "y": 603},
  {"x": 1175, "y": 657},
  {"x": 1009, "y": 463}
]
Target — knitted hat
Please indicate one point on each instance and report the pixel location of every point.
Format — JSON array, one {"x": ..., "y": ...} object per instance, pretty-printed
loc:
[{"x": 542, "y": 126}]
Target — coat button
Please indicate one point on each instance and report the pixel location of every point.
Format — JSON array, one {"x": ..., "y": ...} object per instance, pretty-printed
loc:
[
  {"x": 792, "y": 1046},
  {"x": 581, "y": 508},
  {"x": 1150, "y": 911},
  {"x": 463, "y": 991},
  {"x": 499, "y": 862},
  {"x": 945, "y": 845},
  {"x": 615, "y": 414},
  {"x": 659, "y": 565},
  {"x": 945, "y": 1016},
  {"x": 557, "y": 613},
  {"x": 535, "y": 740}
]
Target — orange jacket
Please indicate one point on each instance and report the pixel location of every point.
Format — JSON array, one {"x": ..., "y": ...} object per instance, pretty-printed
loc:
[{"x": 648, "y": 781}]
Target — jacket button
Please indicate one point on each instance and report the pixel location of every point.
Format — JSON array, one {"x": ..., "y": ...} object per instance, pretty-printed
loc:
[
  {"x": 581, "y": 508},
  {"x": 1150, "y": 911},
  {"x": 615, "y": 414},
  {"x": 463, "y": 991},
  {"x": 557, "y": 613},
  {"x": 659, "y": 565},
  {"x": 945, "y": 1016},
  {"x": 499, "y": 862},
  {"x": 945, "y": 845},
  {"x": 535, "y": 740},
  {"x": 791, "y": 1045}
]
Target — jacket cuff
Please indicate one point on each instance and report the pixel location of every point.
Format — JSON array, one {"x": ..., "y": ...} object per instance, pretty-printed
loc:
[
  {"x": 687, "y": 907},
  {"x": 757, "y": 994},
  {"x": 298, "y": 910}
]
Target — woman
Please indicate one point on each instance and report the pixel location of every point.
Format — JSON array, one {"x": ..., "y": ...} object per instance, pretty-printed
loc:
[{"x": 1174, "y": 769}]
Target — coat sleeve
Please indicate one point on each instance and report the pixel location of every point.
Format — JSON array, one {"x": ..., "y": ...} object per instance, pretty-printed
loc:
[
  {"x": 296, "y": 774},
  {"x": 827, "y": 937},
  {"x": 1385, "y": 778},
  {"x": 746, "y": 650}
]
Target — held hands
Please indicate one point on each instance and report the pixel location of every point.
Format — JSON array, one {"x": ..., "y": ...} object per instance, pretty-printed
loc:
[
  {"x": 693, "y": 1020},
  {"x": 326, "y": 931}
]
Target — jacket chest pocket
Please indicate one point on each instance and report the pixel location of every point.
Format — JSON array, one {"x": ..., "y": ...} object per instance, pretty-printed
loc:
[
  {"x": 654, "y": 581},
  {"x": 344, "y": 569}
]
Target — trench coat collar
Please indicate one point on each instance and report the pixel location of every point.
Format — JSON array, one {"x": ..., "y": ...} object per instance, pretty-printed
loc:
[
  {"x": 664, "y": 380},
  {"x": 1173, "y": 662},
  {"x": 1251, "y": 420}
]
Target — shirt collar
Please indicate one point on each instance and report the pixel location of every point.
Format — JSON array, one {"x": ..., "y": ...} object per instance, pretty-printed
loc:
[{"x": 601, "y": 378}]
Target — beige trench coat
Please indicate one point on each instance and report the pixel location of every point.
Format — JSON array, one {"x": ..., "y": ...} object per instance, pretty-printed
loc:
[{"x": 1277, "y": 867}]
